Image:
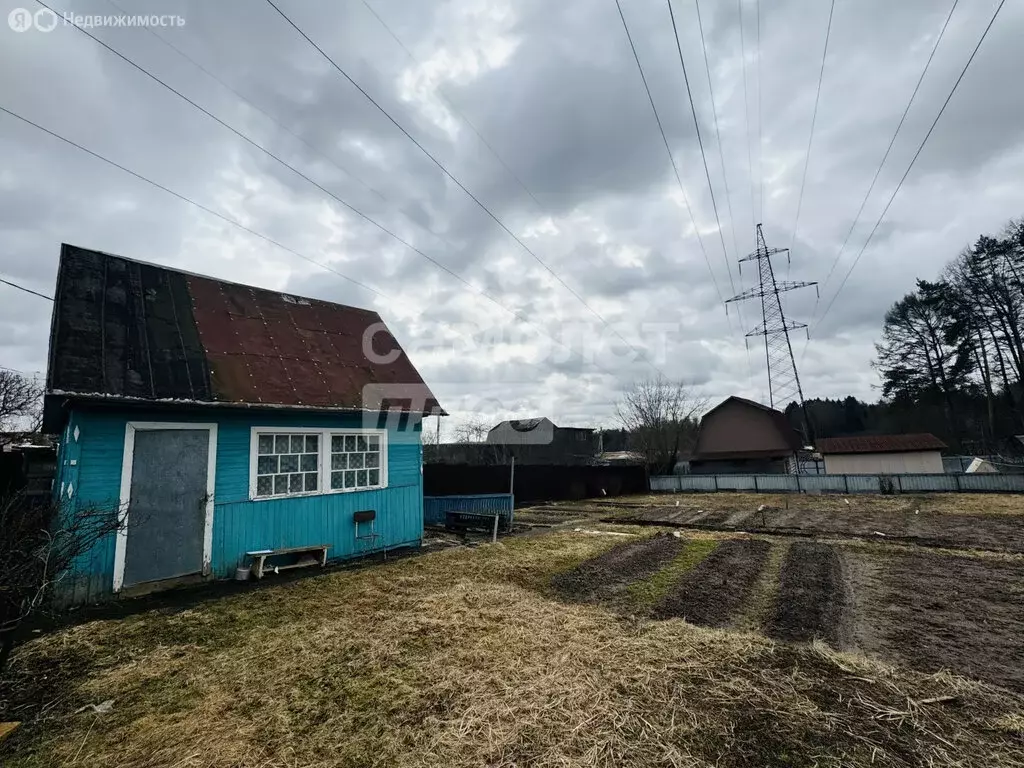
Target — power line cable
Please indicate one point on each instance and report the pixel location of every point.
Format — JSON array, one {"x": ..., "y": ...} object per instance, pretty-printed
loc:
[
  {"x": 718, "y": 133},
  {"x": 458, "y": 183},
  {"x": 26, "y": 290},
  {"x": 249, "y": 230},
  {"x": 270, "y": 154},
  {"x": 914, "y": 160},
  {"x": 700, "y": 143},
  {"x": 892, "y": 141},
  {"x": 760, "y": 126},
  {"x": 668, "y": 148},
  {"x": 810, "y": 137}
]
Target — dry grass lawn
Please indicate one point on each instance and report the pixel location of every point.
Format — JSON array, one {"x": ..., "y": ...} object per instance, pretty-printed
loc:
[{"x": 464, "y": 658}]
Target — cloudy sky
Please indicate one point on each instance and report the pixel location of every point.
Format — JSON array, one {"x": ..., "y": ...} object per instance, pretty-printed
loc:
[{"x": 538, "y": 109}]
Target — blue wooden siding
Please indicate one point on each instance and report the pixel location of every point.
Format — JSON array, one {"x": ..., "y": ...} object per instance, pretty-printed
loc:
[{"x": 240, "y": 525}]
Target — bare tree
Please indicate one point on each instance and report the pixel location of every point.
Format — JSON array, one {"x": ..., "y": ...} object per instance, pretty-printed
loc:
[
  {"x": 472, "y": 431},
  {"x": 39, "y": 544},
  {"x": 661, "y": 417},
  {"x": 20, "y": 399}
]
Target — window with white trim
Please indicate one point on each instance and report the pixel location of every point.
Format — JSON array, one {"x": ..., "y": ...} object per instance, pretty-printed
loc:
[
  {"x": 303, "y": 462},
  {"x": 355, "y": 461},
  {"x": 287, "y": 463}
]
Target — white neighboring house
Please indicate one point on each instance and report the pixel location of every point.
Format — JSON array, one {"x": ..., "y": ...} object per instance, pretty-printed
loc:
[{"x": 882, "y": 454}]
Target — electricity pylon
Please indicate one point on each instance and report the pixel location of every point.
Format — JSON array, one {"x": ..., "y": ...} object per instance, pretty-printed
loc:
[{"x": 783, "y": 379}]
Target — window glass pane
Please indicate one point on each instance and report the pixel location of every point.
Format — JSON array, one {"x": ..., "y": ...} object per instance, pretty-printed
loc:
[
  {"x": 266, "y": 465},
  {"x": 350, "y": 442},
  {"x": 339, "y": 461},
  {"x": 266, "y": 443},
  {"x": 361, "y": 477},
  {"x": 298, "y": 443},
  {"x": 374, "y": 477},
  {"x": 264, "y": 486},
  {"x": 312, "y": 443},
  {"x": 374, "y": 442},
  {"x": 295, "y": 483},
  {"x": 310, "y": 481},
  {"x": 355, "y": 460},
  {"x": 373, "y": 459},
  {"x": 360, "y": 443},
  {"x": 350, "y": 479},
  {"x": 308, "y": 462},
  {"x": 280, "y": 484},
  {"x": 289, "y": 463},
  {"x": 337, "y": 480},
  {"x": 337, "y": 443},
  {"x": 281, "y": 443}
]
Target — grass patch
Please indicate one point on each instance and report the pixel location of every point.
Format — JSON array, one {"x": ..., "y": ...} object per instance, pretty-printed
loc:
[
  {"x": 647, "y": 592},
  {"x": 762, "y": 598},
  {"x": 458, "y": 658}
]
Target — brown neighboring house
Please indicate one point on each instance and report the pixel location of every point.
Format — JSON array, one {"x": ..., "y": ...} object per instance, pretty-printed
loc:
[
  {"x": 740, "y": 436},
  {"x": 878, "y": 454}
]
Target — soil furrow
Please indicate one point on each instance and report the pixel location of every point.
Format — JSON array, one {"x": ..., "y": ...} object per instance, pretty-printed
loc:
[{"x": 812, "y": 599}]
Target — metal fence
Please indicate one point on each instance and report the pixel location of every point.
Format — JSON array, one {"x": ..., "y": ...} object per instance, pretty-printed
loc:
[
  {"x": 979, "y": 483},
  {"x": 439, "y": 510}
]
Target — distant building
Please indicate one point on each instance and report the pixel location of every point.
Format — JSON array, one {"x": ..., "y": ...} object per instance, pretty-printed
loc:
[
  {"x": 541, "y": 441},
  {"x": 882, "y": 454},
  {"x": 740, "y": 436}
]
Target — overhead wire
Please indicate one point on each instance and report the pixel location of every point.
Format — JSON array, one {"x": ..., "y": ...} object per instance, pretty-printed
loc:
[
  {"x": 26, "y": 290},
  {"x": 718, "y": 133},
  {"x": 249, "y": 230},
  {"x": 814, "y": 119},
  {"x": 746, "y": 115},
  {"x": 910, "y": 167},
  {"x": 668, "y": 149},
  {"x": 458, "y": 183},
  {"x": 700, "y": 144},
  {"x": 760, "y": 121},
  {"x": 270, "y": 154}
]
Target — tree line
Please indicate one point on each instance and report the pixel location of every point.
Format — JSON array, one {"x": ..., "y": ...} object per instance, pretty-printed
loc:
[{"x": 951, "y": 355}]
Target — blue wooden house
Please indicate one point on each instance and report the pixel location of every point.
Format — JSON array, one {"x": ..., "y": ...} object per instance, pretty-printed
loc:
[{"x": 218, "y": 420}]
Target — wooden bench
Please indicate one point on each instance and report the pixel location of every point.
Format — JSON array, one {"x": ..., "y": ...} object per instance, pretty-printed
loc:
[{"x": 315, "y": 555}]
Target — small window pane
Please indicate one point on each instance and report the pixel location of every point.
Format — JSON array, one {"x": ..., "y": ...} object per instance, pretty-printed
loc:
[
  {"x": 308, "y": 462},
  {"x": 298, "y": 443},
  {"x": 312, "y": 443},
  {"x": 281, "y": 444},
  {"x": 350, "y": 442},
  {"x": 337, "y": 443},
  {"x": 373, "y": 459},
  {"x": 266, "y": 443},
  {"x": 280, "y": 484},
  {"x": 350, "y": 479},
  {"x": 310, "y": 481},
  {"x": 355, "y": 460},
  {"x": 374, "y": 442},
  {"x": 360, "y": 443},
  {"x": 266, "y": 465},
  {"x": 339, "y": 461},
  {"x": 361, "y": 477},
  {"x": 264, "y": 486},
  {"x": 337, "y": 480},
  {"x": 290, "y": 463},
  {"x": 374, "y": 477},
  {"x": 295, "y": 483}
]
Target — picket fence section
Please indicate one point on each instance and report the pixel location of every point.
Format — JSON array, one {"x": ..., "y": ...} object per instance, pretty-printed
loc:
[{"x": 973, "y": 483}]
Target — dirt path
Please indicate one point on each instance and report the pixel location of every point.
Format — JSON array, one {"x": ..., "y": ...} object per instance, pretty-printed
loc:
[
  {"x": 812, "y": 600},
  {"x": 716, "y": 589},
  {"x": 611, "y": 573},
  {"x": 934, "y": 612}
]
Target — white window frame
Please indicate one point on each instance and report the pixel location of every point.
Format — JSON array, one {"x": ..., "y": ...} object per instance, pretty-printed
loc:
[{"x": 324, "y": 460}]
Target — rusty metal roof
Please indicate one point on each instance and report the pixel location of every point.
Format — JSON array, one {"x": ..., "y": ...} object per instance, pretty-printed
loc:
[
  {"x": 128, "y": 330},
  {"x": 921, "y": 441}
]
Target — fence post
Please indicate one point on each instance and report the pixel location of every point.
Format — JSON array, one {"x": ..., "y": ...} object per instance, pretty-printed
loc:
[
  {"x": 756, "y": 489},
  {"x": 899, "y": 484},
  {"x": 798, "y": 482},
  {"x": 956, "y": 478},
  {"x": 846, "y": 484},
  {"x": 716, "y": 481}
]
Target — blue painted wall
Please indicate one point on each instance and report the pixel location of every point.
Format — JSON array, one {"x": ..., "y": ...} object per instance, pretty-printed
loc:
[{"x": 89, "y": 474}]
